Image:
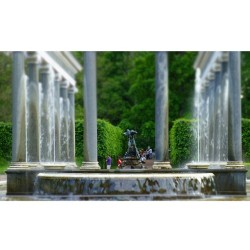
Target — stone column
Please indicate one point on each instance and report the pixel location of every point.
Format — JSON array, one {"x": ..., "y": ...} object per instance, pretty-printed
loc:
[
  {"x": 46, "y": 142},
  {"x": 90, "y": 112},
  {"x": 211, "y": 122},
  {"x": 161, "y": 113},
  {"x": 71, "y": 136},
  {"x": 234, "y": 119},
  {"x": 224, "y": 115},
  {"x": 57, "y": 144},
  {"x": 18, "y": 109},
  {"x": 33, "y": 112},
  {"x": 64, "y": 121}
]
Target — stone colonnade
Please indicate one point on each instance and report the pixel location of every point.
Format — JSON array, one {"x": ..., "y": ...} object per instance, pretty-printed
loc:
[
  {"x": 43, "y": 111},
  {"x": 218, "y": 103},
  {"x": 43, "y": 115}
]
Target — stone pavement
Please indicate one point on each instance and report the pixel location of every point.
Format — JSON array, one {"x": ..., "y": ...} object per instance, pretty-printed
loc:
[{"x": 3, "y": 177}]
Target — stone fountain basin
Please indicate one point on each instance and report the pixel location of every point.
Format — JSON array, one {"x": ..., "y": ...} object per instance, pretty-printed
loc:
[{"x": 153, "y": 184}]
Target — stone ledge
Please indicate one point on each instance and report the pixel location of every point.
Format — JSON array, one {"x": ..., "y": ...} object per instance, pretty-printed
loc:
[
  {"x": 90, "y": 165},
  {"x": 161, "y": 165}
]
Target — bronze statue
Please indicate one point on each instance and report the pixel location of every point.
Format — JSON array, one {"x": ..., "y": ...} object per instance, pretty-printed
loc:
[{"x": 132, "y": 156}]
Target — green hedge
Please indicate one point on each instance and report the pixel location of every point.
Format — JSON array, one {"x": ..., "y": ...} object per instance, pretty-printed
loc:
[
  {"x": 110, "y": 141},
  {"x": 183, "y": 146},
  {"x": 246, "y": 139},
  {"x": 182, "y": 142},
  {"x": 5, "y": 140}
]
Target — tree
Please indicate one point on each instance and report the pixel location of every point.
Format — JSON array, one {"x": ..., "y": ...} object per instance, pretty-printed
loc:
[
  {"x": 113, "y": 84},
  {"x": 5, "y": 87},
  {"x": 245, "y": 84},
  {"x": 140, "y": 114},
  {"x": 181, "y": 84}
]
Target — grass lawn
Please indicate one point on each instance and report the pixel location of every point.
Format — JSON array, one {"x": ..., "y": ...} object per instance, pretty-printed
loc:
[{"x": 3, "y": 165}]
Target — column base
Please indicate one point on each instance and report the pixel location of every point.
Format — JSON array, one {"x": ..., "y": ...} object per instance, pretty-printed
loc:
[
  {"x": 25, "y": 165},
  {"x": 161, "y": 164},
  {"x": 90, "y": 165},
  {"x": 235, "y": 164},
  {"x": 59, "y": 165},
  {"x": 71, "y": 166}
]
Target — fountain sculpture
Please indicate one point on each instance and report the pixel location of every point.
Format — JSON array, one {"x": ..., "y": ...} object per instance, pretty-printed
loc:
[{"x": 131, "y": 158}]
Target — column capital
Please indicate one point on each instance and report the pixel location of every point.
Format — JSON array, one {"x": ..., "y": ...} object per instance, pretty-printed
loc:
[
  {"x": 58, "y": 76},
  {"x": 45, "y": 68},
  {"x": 64, "y": 83},
  {"x": 71, "y": 89},
  {"x": 33, "y": 57}
]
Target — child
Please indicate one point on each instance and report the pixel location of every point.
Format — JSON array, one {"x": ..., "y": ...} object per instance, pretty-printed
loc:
[{"x": 119, "y": 163}]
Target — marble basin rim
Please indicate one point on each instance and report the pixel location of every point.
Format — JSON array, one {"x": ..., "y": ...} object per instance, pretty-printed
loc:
[{"x": 126, "y": 175}]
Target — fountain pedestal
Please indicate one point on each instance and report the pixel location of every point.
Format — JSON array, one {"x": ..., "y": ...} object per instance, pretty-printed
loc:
[
  {"x": 90, "y": 165},
  {"x": 25, "y": 165},
  {"x": 146, "y": 185},
  {"x": 235, "y": 164},
  {"x": 161, "y": 165}
]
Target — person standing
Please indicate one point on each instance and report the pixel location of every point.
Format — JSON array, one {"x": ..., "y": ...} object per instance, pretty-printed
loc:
[
  {"x": 109, "y": 161},
  {"x": 119, "y": 162},
  {"x": 149, "y": 153}
]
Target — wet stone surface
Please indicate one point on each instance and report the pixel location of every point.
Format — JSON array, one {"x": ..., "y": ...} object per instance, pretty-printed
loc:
[{"x": 118, "y": 197}]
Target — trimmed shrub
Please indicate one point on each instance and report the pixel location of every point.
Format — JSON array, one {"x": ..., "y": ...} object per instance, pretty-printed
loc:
[
  {"x": 110, "y": 141},
  {"x": 182, "y": 142},
  {"x": 5, "y": 140},
  {"x": 79, "y": 139},
  {"x": 246, "y": 139}
]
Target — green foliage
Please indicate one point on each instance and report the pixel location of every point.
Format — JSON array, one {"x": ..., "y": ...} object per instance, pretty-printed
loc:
[
  {"x": 147, "y": 135},
  {"x": 141, "y": 113},
  {"x": 79, "y": 133},
  {"x": 5, "y": 87},
  {"x": 245, "y": 139},
  {"x": 113, "y": 84},
  {"x": 181, "y": 84},
  {"x": 79, "y": 111},
  {"x": 110, "y": 141},
  {"x": 245, "y": 83},
  {"x": 125, "y": 89},
  {"x": 3, "y": 165},
  {"x": 5, "y": 140},
  {"x": 182, "y": 142}
]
